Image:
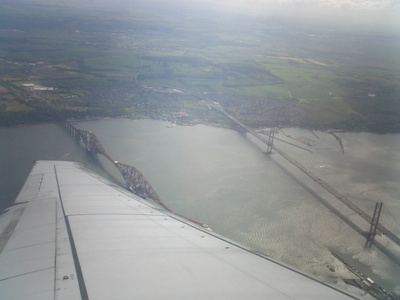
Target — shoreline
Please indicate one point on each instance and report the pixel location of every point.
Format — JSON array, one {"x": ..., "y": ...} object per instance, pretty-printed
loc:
[{"x": 191, "y": 122}]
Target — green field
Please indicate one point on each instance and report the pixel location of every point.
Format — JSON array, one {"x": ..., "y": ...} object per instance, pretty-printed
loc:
[{"x": 115, "y": 61}]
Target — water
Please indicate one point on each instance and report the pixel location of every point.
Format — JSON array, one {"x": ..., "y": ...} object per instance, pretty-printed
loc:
[
  {"x": 220, "y": 178},
  {"x": 21, "y": 146}
]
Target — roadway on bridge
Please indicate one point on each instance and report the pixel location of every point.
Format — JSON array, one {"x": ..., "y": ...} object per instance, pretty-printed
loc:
[{"x": 319, "y": 181}]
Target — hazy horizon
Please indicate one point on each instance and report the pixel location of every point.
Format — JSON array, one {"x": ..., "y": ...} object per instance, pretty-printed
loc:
[{"x": 370, "y": 15}]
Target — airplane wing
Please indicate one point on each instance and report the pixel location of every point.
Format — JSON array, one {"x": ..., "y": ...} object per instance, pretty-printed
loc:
[{"x": 74, "y": 235}]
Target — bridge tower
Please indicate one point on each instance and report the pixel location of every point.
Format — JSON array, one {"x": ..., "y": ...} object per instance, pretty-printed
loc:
[
  {"x": 270, "y": 142},
  {"x": 241, "y": 129},
  {"x": 374, "y": 225}
]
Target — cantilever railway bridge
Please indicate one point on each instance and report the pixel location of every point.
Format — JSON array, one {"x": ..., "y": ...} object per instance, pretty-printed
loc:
[
  {"x": 242, "y": 128},
  {"x": 135, "y": 180}
]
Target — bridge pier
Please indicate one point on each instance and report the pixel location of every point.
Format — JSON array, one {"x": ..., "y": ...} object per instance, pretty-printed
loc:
[{"x": 71, "y": 129}]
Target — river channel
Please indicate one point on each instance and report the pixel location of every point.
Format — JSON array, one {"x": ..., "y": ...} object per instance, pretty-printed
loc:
[{"x": 223, "y": 179}]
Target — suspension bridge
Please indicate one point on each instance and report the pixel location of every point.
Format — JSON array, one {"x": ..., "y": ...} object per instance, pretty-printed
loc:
[{"x": 243, "y": 129}]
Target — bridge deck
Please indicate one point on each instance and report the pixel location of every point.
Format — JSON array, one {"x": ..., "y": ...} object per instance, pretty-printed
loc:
[{"x": 315, "y": 178}]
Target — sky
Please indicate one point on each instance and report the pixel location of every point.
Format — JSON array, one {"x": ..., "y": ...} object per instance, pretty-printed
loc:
[
  {"x": 373, "y": 13},
  {"x": 382, "y": 15}
]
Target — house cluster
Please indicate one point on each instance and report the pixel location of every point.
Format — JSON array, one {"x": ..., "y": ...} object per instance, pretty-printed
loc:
[{"x": 37, "y": 87}]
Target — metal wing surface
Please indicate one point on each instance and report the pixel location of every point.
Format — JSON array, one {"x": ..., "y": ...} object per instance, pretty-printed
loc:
[{"x": 73, "y": 235}]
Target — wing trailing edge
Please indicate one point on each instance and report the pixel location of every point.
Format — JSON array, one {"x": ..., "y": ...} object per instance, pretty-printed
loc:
[{"x": 74, "y": 235}]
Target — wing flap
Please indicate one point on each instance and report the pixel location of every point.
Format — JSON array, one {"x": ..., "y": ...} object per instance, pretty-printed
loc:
[
  {"x": 100, "y": 242},
  {"x": 37, "y": 244}
]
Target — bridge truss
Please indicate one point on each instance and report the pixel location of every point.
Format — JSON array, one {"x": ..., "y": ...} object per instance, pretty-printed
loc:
[{"x": 136, "y": 182}]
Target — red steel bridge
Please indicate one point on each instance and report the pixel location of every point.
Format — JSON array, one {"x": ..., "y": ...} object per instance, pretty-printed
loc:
[{"x": 135, "y": 180}]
